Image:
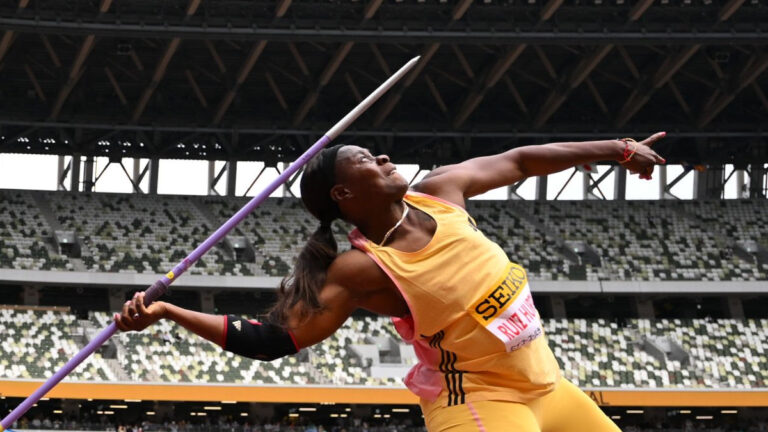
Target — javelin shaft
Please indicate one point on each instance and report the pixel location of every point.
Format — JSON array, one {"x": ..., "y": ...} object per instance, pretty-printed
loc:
[{"x": 158, "y": 288}]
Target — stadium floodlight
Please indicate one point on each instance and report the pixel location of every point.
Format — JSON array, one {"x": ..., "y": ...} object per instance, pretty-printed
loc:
[{"x": 158, "y": 288}]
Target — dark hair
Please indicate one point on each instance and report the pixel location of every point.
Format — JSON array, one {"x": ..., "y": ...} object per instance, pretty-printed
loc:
[{"x": 302, "y": 287}]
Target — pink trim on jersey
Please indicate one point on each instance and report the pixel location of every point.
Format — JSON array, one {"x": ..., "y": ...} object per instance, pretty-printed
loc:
[
  {"x": 224, "y": 333},
  {"x": 293, "y": 338},
  {"x": 360, "y": 241},
  {"x": 423, "y": 381},
  {"x": 476, "y": 417},
  {"x": 440, "y": 200}
]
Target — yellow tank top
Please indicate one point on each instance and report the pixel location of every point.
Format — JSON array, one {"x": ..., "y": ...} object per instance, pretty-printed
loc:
[{"x": 473, "y": 324}]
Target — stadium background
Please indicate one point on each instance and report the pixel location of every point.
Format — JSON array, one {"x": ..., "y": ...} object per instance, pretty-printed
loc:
[{"x": 657, "y": 308}]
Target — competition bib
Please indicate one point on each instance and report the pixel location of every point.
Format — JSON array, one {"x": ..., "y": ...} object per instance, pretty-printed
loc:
[{"x": 507, "y": 310}]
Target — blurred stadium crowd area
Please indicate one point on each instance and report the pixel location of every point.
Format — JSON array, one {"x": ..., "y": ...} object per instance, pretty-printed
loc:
[
  {"x": 181, "y": 416},
  {"x": 367, "y": 351},
  {"x": 224, "y": 425},
  {"x": 349, "y": 424},
  {"x": 355, "y": 426},
  {"x": 618, "y": 240}
]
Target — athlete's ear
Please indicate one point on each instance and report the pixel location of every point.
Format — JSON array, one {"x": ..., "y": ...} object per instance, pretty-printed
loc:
[{"x": 339, "y": 193}]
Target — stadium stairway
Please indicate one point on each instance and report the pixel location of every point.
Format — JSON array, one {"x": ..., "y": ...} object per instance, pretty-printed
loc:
[
  {"x": 52, "y": 243},
  {"x": 115, "y": 366},
  {"x": 90, "y": 330},
  {"x": 46, "y": 212},
  {"x": 206, "y": 213},
  {"x": 716, "y": 230},
  {"x": 549, "y": 233}
]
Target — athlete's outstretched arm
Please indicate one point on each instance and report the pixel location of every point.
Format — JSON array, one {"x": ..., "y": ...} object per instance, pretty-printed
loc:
[
  {"x": 263, "y": 341},
  {"x": 475, "y": 176}
]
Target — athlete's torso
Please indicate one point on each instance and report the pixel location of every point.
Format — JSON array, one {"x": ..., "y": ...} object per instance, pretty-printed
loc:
[{"x": 472, "y": 321}]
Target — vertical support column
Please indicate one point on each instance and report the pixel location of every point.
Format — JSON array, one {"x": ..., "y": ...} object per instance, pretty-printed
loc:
[
  {"x": 620, "y": 184},
  {"x": 735, "y": 308},
  {"x": 31, "y": 295},
  {"x": 136, "y": 171},
  {"x": 207, "y": 304},
  {"x": 211, "y": 177},
  {"x": 510, "y": 193},
  {"x": 716, "y": 182},
  {"x": 88, "y": 175},
  {"x": 708, "y": 184},
  {"x": 585, "y": 186},
  {"x": 558, "y": 307},
  {"x": 662, "y": 182},
  {"x": 74, "y": 179},
  {"x": 698, "y": 185},
  {"x": 154, "y": 172},
  {"x": 756, "y": 180},
  {"x": 231, "y": 177},
  {"x": 59, "y": 174},
  {"x": 741, "y": 189},
  {"x": 541, "y": 188},
  {"x": 645, "y": 308}
]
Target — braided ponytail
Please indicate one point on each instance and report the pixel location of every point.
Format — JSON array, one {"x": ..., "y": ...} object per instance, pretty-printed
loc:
[{"x": 302, "y": 287}]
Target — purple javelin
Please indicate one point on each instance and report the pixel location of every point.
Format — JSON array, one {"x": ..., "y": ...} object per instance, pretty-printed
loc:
[{"x": 158, "y": 288}]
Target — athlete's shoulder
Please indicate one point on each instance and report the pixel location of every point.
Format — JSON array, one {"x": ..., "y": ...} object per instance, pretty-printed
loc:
[
  {"x": 356, "y": 271},
  {"x": 443, "y": 183}
]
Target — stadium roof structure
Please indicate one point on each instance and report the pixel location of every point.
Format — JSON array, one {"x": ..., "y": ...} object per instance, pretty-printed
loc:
[{"x": 261, "y": 80}]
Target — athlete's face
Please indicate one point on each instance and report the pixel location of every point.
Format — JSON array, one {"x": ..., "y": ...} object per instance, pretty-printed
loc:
[{"x": 363, "y": 174}]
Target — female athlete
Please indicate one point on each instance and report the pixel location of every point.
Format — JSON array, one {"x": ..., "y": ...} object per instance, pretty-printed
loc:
[{"x": 418, "y": 256}]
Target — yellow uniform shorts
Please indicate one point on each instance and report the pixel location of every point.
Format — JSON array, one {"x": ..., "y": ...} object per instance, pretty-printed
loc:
[{"x": 566, "y": 409}]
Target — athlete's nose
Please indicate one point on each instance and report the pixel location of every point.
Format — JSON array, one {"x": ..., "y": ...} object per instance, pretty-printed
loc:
[{"x": 382, "y": 159}]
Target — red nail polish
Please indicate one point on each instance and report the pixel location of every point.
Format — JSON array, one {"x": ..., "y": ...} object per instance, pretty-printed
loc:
[{"x": 663, "y": 134}]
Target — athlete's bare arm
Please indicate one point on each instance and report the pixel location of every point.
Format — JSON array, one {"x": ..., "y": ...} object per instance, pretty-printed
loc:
[
  {"x": 353, "y": 281},
  {"x": 458, "y": 182}
]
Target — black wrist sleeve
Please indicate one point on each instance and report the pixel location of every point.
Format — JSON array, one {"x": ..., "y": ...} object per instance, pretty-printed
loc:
[{"x": 261, "y": 341}]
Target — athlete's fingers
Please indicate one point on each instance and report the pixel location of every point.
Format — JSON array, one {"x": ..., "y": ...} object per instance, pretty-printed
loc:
[
  {"x": 630, "y": 169},
  {"x": 140, "y": 307},
  {"x": 126, "y": 308},
  {"x": 136, "y": 303},
  {"x": 129, "y": 310},
  {"x": 647, "y": 172},
  {"x": 117, "y": 318},
  {"x": 124, "y": 322},
  {"x": 651, "y": 140}
]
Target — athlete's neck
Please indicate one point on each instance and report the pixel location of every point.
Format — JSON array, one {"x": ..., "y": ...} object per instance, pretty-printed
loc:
[{"x": 379, "y": 221}]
